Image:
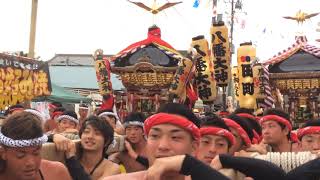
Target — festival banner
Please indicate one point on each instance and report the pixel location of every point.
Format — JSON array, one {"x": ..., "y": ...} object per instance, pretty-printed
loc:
[
  {"x": 22, "y": 79},
  {"x": 235, "y": 77},
  {"x": 180, "y": 79},
  {"x": 245, "y": 55},
  {"x": 102, "y": 67},
  {"x": 262, "y": 88},
  {"x": 258, "y": 81},
  {"x": 205, "y": 81},
  {"x": 220, "y": 48}
]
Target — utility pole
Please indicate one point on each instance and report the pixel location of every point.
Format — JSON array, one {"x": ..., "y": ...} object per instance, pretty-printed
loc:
[
  {"x": 33, "y": 25},
  {"x": 232, "y": 24}
]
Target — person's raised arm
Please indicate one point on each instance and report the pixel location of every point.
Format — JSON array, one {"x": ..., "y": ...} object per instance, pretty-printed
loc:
[
  {"x": 183, "y": 164},
  {"x": 74, "y": 167},
  {"x": 254, "y": 168},
  {"x": 307, "y": 171}
]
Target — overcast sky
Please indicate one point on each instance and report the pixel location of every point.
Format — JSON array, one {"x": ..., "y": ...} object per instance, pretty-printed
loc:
[{"x": 82, "y": 26}]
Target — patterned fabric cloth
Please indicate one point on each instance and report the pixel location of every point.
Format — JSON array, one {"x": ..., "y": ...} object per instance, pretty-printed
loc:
[
  {"x": 68, "y": 117},
  {"x": 22, "y": 143},
  {"x": 301, "y": 43}
]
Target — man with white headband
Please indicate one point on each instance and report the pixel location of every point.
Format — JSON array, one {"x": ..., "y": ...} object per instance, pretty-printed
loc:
[
  {"x": 83, "y": 113},
  {"x": 113, "y": 119},
  {"x": 67, "y": 123},
  {"x": 36, "y": 113},
  {"x": 135, "y": 144},
  {"x": 21, "y": 139}
]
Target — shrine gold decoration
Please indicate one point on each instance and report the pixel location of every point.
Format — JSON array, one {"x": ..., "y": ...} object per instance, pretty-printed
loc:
[
  {"x": 285, "y": 84},
  {"x": 147, "y": 79}
]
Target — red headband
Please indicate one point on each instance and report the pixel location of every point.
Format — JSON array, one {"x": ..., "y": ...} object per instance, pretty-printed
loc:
[
  {"x": 278, "y": 119},
  {"x": 219, "y": 132},
  {"x": 15, "y": 109},
  {"x": 308, "y": 130},
  {"x": 294, "y": 137},
  {"x": 246, "y": 115},
  {"x": 256, "y": 138},
  {"x": 51, "y": 106},
  {"x": 243, "y": 134},
  {"x": 56, "y": 114},
  {"x": 163, "y": 118},
  {"x": 224, "y": 113},
  {"x": 258, "y": 119}
]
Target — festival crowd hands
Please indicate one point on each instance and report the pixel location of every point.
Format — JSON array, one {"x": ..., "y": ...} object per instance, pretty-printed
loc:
[
  {"x": 214, "y": 145},
  {"x": 165, "y": 165}
]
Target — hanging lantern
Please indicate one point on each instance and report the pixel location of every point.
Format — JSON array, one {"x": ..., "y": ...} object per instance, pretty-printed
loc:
[
  {"x": 235, "y": 76},
  {"x": 220, "y": 48},
  {"x": 180, "y": 78},
  {"x": 245, "y": 55},
  {"x": 102, "y": 67},
  {"x": 204, "y": 76}
]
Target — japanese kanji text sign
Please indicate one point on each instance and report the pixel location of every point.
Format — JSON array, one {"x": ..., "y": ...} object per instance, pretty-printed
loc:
[
  {"x": 22, "y": 79},
  {"x": 245, "y": 55},
  {"x": 205, "y": 81},
  {"x": 220, "y": 48}
]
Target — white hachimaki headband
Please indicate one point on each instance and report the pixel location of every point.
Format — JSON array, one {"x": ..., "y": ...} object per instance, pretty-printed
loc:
[
  {"x": 68, "y": 117},
  {"x": 4, "y": 140},
  {"x": 108, "y": 114},
  {"x": 133, "y": 123},
  {"x": 81, "y": 107},
  {"x": 36, "y": 113}
]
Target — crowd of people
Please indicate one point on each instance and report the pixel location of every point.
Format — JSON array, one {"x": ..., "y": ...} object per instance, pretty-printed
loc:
[{"x": 172, "y": 144}]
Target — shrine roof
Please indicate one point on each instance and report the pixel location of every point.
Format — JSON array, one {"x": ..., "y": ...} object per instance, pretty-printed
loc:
[
  {"x": 154, "y": 41},
  {"x": 299, "y": 57}
]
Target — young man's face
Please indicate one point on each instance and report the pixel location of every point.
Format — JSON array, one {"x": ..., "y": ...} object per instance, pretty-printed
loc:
[
  {"x": 210, "y": 146},
  {"x": 22, "y": 163},
  {"x": 83, "y": 112},
  {"x": 134, "y": 134},
  {"x": 65, "y": 124},
  {"x": 238, "y": 144},
  {"x": 166, "y": 140},
  {"x": 92, "y": 139},
  {"x": 273, "y": 133},
  {"x": 310, "y": 142},
  {"x": 111, "y": 120}
]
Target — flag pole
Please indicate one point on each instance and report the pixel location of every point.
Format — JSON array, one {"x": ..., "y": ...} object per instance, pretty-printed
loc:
[{"x": 32, "y": 37}]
